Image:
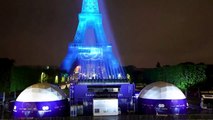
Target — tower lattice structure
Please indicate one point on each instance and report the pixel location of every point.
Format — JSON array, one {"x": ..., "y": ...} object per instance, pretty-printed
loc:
[{"x": 90, "y": 55}]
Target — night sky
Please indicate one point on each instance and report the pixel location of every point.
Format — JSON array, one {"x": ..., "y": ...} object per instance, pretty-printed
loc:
[{"x": 37, "y": 32}]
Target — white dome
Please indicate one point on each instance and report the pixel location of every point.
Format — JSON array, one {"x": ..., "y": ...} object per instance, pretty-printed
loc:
[
  {"x": 161, "y": 90},
  {"x": 41, "y": 92}
]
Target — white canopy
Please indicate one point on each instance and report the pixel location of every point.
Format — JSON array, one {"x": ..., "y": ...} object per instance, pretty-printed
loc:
[
  {"x": 41, "y": 92},
  {"x": 161, "y": 90}
]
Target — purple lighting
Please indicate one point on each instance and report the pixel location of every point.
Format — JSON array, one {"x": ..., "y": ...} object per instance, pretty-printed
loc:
[
  {"x": 161, "y": 98},
  {"x": 41, "y": 109},
  {"x": 41, "y": 100}
]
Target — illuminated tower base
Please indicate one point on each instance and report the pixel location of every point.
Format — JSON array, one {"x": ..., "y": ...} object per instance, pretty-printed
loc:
[
  {"x": 90, "y": 54},
  {"x": 96, "y": 75}
]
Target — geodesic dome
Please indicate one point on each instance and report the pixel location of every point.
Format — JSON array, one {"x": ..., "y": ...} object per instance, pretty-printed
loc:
[
  {"x": 41, "y": 92},
  {"x": 161, "y": 90},
  {"x": 161, "y": 98},
  {"x": 41, "y": 100}
]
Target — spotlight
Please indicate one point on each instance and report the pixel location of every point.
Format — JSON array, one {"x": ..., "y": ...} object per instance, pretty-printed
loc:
[{"x": 45, "y": 108}]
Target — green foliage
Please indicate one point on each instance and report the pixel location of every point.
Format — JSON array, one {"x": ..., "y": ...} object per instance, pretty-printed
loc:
[
  {"x": 182, "y": 75},
  {"x": 50, "y": 75},
  {"x": 44, "y": 77},
  {"x": 23, "y": 77}
]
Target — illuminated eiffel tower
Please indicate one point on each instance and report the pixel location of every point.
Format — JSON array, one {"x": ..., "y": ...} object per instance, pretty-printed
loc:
[{"x": 90, "y": 54}]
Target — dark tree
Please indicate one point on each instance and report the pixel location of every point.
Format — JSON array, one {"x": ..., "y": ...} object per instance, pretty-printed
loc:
[
  {"x": 5, "y": 72},
  {"x": 158, "y": 65}
]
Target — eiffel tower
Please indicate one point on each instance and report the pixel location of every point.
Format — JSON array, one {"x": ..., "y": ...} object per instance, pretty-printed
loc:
[{"x": 90, "y": 54}]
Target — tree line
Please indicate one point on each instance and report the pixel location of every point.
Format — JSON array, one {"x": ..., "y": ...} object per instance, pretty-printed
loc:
[
  {"x": 184, "y": 75},
  {"x": 181, "y": 75}
]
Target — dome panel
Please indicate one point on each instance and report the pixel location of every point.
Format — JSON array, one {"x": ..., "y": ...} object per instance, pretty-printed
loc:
[
  {"x": 161, "y": 90},
  {"x": 41, "y": 92}
]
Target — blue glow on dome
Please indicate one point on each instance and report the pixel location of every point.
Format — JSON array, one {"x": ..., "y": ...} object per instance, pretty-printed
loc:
[
  {"x": 92, "y": 53},
  {"x": 162, "y": 98},
  {"x": 41, "y": 100}
]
